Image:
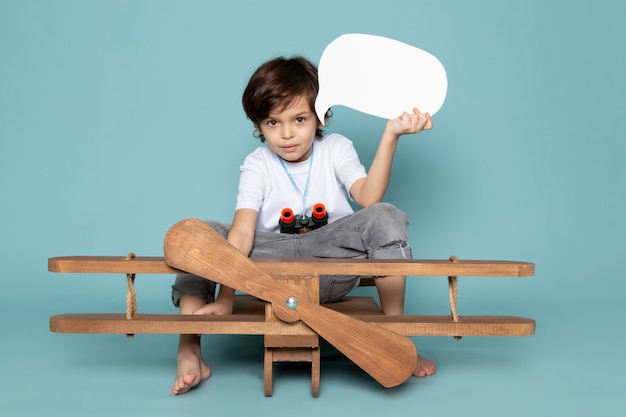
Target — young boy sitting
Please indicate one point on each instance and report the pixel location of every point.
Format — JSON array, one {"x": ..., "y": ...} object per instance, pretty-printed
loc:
[{"x": 299, "y": 168}]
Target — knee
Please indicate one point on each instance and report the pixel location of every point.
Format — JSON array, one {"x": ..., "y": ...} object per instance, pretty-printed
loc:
[
  {"x": 219, "y": 227},
  {"x": 386, "y": 232},
  {"x": 388, "y": 216}
]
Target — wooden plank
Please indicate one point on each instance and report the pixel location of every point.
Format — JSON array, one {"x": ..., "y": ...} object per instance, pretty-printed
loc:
[
  {"x": 172, "y": 324},
  {"x": 316, "y": 373},
  {"x": 305, "y": 266},
  {"x": 293, "y": 354},
  {"x": 444, "y": 326},
  {"x": 255, "y": 325},
  {"x": 291, "y": 341},
  {"x": 246, "y": 304},
  {"x": 110, "y": 264},
  {"x": 408, "y": 267},
  {"x": 356, "y": 305},
  {"x": 268, "y": 372}
]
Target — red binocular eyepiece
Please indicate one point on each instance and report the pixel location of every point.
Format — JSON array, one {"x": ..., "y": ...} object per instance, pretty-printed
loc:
[
  {"x": 291, "y": 223},
  {"x": 319, "y": 211},
  {"x": 287, "y": 216}
]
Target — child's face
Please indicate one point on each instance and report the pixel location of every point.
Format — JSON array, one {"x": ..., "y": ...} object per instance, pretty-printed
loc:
[{"x": 290, "y": 131}]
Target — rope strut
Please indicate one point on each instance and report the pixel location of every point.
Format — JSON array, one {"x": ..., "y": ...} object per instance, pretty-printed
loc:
[
  {"x": 452, "y": 290},
  {"x": 131, "y": 297}
]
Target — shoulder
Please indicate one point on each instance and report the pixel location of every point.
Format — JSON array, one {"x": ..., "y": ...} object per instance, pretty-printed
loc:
[
  {"x": 333, "y": 139},
  {"x": 260, "y": 164},
  {"x": 334, "y": 143},
  {"x": 336, "y": 146},
  {"x": 262, "y": 152},
  {"x": 260, "y": 156}
]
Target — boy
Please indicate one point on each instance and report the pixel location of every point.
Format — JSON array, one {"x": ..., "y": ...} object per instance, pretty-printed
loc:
[{"x": 298, "y": 168}]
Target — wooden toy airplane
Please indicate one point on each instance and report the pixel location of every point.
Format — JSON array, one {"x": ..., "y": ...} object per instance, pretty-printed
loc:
[{"x": 282, "y": 304}]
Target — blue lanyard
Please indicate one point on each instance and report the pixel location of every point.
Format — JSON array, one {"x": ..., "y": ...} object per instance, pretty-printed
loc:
[{"x": 306, "y": 187}]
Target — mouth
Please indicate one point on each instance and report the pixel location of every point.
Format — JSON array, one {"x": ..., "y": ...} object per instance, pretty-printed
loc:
[{"x": 290, "y": 148}]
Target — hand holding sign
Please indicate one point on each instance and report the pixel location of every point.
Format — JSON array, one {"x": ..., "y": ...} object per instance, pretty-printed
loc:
[{"x": 379, "y": 76}]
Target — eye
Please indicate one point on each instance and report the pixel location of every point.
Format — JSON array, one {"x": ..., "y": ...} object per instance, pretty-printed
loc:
[
  {"x": 271, "y": 123},
  {"x": 300, "y": 119}
]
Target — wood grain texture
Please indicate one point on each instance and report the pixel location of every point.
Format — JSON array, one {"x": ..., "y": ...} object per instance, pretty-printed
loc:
[
  {"x": 386, "y": 356},
  {"x": 305, "y": 266},
  {"x": 256, "y": 325},
  {"x": 275, "y": 279}
]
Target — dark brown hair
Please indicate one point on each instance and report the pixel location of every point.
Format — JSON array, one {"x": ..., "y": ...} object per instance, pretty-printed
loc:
[{"x": 275, "y": 84}]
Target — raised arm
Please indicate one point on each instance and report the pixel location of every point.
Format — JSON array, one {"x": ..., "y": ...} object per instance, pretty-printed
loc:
[{"x": 371, "y": 189}]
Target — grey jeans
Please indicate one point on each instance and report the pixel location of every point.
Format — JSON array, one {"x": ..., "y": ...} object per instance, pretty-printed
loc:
[{"x": 377, "y": 232}]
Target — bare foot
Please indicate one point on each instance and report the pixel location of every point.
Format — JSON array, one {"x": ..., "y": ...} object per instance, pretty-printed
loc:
[
  {"x": 214, "y": 308},
  {"x": 424, "y": 367},
  {"x": 191, "y": 369}
]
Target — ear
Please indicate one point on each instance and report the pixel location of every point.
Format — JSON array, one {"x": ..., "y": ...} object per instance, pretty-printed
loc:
[
  {"x": 258, "y": 130},
  {"x": 258, "y": 133}
]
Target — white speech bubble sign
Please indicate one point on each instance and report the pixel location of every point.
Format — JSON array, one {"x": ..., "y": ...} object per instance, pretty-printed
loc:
[{"x": 379, "y": 76}]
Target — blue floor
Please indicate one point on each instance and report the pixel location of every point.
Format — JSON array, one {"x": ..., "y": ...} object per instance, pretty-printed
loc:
[{"x": 569, "y": 367}]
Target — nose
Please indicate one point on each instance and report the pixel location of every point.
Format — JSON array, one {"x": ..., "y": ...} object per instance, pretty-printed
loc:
[{"x": 286, "y": 131}]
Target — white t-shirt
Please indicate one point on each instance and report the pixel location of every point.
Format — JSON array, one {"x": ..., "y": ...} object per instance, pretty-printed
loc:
[{"x": 265, "y": 187}]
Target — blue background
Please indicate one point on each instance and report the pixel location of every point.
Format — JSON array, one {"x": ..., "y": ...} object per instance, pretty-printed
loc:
[{"x": 119, "y": 118}]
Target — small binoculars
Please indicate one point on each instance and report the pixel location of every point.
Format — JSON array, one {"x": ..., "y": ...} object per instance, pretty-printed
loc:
[{"x": 292, "y": 224}]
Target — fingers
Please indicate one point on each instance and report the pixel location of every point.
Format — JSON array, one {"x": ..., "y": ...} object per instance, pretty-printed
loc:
[
  {"x": 410, "y": 123},
  {"x": 416, "y": 122},
  {"x": 424, "y": 121},
  {"x": 429, "y": 122}
]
